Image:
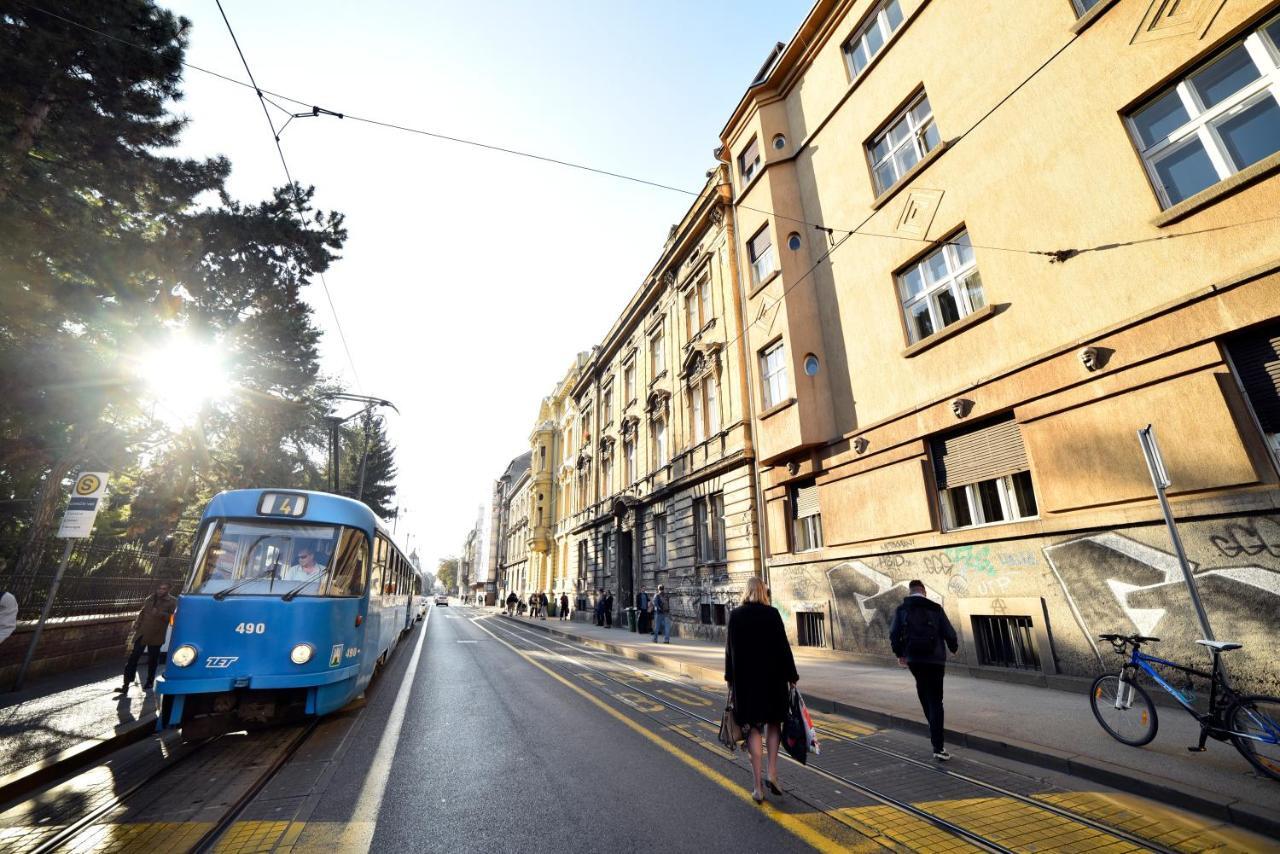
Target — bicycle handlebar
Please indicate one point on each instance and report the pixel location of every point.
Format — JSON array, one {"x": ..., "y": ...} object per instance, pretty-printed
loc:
[{"x": 1121, "y": 641}]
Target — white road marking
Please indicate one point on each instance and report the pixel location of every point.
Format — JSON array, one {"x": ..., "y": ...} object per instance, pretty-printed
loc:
[{"x": 358, "y": 835}]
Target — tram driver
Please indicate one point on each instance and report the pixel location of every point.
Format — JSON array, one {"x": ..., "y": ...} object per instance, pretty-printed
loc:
[{"x": 307, "y": 568}]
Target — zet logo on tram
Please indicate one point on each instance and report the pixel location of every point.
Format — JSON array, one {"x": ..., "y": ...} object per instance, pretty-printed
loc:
[{"x": 220, "y": 662}]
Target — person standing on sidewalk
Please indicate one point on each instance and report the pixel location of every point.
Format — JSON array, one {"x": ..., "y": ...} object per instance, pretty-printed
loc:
[
  {"x": 512, "y": 599},
  {"x": 8, "y": 615},
  {"x": 564, "y": 606},
  {"x": 543, "y": 602},
  {"x": 642, "y": 610},
  {"x": 760, "y": 670},
  {"x": 149, "y": 629},
  {"x": 920, "y": 636},
  {"x": 608, "y": 610},
  {"x": 661, "y": 608}
]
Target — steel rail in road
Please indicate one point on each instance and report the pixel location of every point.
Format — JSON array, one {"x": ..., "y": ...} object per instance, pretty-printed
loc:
[{"x": 946, "y": 824}]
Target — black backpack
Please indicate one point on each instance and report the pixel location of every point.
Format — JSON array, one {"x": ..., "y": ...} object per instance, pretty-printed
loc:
[{"x": 923, "y": 632}]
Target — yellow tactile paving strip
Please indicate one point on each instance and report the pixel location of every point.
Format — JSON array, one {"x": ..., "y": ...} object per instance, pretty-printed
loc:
[{"x": 1163, "y": 825}]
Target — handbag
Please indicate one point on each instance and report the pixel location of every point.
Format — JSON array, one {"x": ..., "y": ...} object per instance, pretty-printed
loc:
[
  {"x": 730, "y": 731},
  {"x": 795, "y": 738}
]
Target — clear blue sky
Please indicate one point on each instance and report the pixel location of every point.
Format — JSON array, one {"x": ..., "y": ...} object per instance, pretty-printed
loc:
[{"x": 471, "y": 278}]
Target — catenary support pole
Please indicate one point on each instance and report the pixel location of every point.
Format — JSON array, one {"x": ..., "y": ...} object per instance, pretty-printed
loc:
[{"x": 44, "y": 616}]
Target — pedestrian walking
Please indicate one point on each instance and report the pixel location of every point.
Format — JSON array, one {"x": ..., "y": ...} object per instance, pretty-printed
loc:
[
  {"x": 8, "y": 615},
  {"x": 761, "y": 671},
  {"x": 599, "y": 608},
  {"x": 564, "y": 606},
  {"x": 661, "y": 608},
  {"x": 543, "y": 602},
  {"x": 642, "y": 611},
  {"x": 920, "y": 636},
  {"x": 512, "y": 599},
  {"x": 608, "y": 610},
  {"x": 149, "y": 629}
]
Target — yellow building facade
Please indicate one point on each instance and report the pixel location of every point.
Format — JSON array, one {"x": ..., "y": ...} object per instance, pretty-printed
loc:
[{"x": 983, "y": 243}]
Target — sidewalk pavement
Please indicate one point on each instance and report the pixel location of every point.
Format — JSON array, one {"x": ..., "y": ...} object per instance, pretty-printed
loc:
[
  {"x": 68, "y": 711},
  {"x": 1041, "y": 726}
]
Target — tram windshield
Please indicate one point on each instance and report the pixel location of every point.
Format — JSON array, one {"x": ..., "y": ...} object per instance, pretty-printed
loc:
[{"x": 273, "y": 558}]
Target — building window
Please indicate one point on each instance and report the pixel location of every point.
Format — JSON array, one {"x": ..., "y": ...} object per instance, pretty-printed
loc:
[
  {"x": 606, "y": 405},
  {"x": 606, "y": 476},
  {"x": 867, "y": 41},
  {"x": 749, "y": 161},
  {"x": 659, "y": 443},
  {"x": 697, "y": 306},
  {"x": 660, "y": 540},
  {"x": 773, "y": 375},
  {"x": 582, "y": 565},
  {"x": 908, "y": 137},
  {"x": 705, "y": 408},
  {"x": 629, "y": 460},
  {"x": 806, "y": 518},
  {"x": 708, "y": 527},
  {"x": 760, "y": 251},
  {"x": 1083, "y": 6},
  {"x": 810, "y": 628},
  {"x": 586, "y": 424},
  {"x": 608, "y": 553},
  {"x": 1221, "y": 118},
  {"x": 983, "y": 476},
  {"x": 941, "y": 289},
  {"x": 1005, "y": 641},
  {"x": 1255, "y": 355},
  {"x": 629, "y": 382},
  {"x": 697, "y": 415},
  {"x": 657, "y": 356}
]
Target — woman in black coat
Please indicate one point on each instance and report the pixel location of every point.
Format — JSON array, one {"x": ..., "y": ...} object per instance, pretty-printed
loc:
[{"x": 760, "y": 670}]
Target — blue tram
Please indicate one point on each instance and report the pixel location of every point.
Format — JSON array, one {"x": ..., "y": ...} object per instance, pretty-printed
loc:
[{"x": 294, "y": 600}]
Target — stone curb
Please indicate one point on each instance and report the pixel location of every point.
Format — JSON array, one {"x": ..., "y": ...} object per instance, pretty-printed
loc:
[
  {"x": 1242, "y": 814},
  {"x": 22, "y": 782}
]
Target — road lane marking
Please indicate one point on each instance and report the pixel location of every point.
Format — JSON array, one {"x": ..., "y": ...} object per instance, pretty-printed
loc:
[
  {"x": 794, "y": 824},
  {"x": 358, "y": 835}
]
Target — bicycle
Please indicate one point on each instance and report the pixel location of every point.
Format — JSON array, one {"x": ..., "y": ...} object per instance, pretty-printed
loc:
[{"x": 1124, "y": 709}]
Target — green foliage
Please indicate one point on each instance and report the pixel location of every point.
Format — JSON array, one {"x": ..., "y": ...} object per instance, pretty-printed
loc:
[
  {"x": 378, "y": 457},
  {"x": 447, "y": 572}
]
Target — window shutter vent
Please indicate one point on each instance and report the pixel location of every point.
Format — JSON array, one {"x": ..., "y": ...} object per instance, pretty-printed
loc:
[
  {"x": 1257, "y": 360},
  {"x": 806, "y": 501},
  {"x": 982, "y": 453}
]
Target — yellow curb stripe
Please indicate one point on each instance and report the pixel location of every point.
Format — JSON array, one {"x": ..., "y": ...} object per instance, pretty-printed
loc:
[{"x": 794, "y": 825}]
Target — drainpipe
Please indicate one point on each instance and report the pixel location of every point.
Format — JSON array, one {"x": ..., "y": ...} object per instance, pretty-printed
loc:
[{"x": 740, "y": 300}]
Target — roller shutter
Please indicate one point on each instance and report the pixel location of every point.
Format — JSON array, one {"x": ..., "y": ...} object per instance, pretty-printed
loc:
[
  {"x": 1256, "y": 357},
  {"x": 981, "y": 453},
  {"x": 805, "y": 501}
]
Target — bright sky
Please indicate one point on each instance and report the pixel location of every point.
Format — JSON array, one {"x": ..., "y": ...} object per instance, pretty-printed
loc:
[{"x": 471, "y": 278}]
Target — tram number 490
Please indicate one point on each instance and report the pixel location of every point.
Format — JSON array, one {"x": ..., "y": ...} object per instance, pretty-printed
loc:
[{"x": 251, "y": 629}]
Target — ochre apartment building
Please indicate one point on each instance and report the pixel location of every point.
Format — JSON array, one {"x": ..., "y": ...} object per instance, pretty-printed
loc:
[{"x": 983, "y": 243}]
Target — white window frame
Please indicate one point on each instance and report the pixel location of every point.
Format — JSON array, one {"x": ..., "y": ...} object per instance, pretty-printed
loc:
[
  {"x": 606, "y": 404},
  {"x": 629, "y": 381},
  {"x": 1009, "y": 504},
  {"x": 659, "y": 443},
  {"x": 881, "y": 22},
  {"x": 606, "y": 477},
  {"x": 660, "y": 540},
  {"x": 748, "y": 170},
  {"x": 629, "y": 460},
  {"x": 1083, "y": 6},
  {"x": 959, "y": 270},
  {"x": 657, "y": 354},
  {"x": 1203, "y": 123},
  {"x": 763, "y": 262},
  {"x": 711, "y": 394},
  {"x": 916, "y": 137},
  {"x": 709, "y": 528},
  {"x": 697, "y": 415},
  {"x": 773, "y": 374}
]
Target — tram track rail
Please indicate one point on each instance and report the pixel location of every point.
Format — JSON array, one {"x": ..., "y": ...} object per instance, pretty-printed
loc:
[{"x": 533, "y": 637}]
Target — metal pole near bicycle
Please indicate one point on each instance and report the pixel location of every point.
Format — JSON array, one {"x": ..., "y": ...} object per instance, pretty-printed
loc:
[{"x": 1160, "y": 478}]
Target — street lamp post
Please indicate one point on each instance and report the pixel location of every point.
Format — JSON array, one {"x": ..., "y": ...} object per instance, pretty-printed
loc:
[{"x": 335, "y": 451}]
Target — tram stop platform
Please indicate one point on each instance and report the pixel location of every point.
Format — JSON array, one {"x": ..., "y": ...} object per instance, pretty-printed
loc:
[
  {"x": 65, "y": 719},
  {"x": 1032, "y": 724}
]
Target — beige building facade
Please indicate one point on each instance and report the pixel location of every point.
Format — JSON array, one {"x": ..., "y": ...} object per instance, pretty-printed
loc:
[
  {"x": 984, "y": 243},
  {"x": 509, "y": 509}
]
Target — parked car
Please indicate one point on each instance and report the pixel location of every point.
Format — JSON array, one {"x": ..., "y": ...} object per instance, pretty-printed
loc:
[{"x": 442, "y": 599}]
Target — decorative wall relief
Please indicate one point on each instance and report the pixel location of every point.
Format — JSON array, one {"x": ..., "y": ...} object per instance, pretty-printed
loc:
[
  {"x": 1171, "y": 18},
  {"x": 917, "y": 214}
]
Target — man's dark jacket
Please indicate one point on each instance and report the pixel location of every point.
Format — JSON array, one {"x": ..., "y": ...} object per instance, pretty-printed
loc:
[{"x": 946, "y": 634}]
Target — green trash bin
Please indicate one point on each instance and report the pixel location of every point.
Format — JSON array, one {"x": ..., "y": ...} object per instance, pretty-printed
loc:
[{"x": 633, "y": 619}]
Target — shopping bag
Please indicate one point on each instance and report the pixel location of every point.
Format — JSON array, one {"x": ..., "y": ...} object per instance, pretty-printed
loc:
[
  {"x": 811, "y": 734},
  {"x": 730, "y": 732},
  {"x": 795, "y": 738}
]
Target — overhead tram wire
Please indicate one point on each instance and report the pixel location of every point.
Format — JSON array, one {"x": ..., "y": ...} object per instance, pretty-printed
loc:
[
  {"x": 297, "y": 195},
  {"x": 1054, "y": 255}
]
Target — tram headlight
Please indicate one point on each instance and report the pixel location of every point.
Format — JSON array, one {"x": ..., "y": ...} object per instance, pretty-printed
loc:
[
  {"x": 183, "y": 655},
  {"x": 301, "y": 653}
]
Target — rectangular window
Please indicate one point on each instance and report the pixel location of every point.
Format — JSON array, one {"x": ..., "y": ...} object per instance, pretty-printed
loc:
[
  {"x": 657, "y": 356},
  {"x": 908, "y": 137},
  {"x": 1005, "y": 642},
  {"x": 704, "y": 613},
  {"x": 760, "y": 251},
  {"x": 773, "y": 375},
  {"x": 586, "y": 424},
  {"x": 940, "y": 289},
  {"x": 1218, "y": 120},
  {"x": 606, "y": 405},
  {"x": 697, "y": 414},
  {"x": 806, "y": 518},
  {"x": 629, "y": 460},
  {"x": 983, "y": 476},
  {"x": 660, "y": 540},
  {"x": 704, "y": 300},
  {"x": 608, "y": 552},
  {"x": 749, "y": 160},
  {"x": 606, "y": 476},
  {"x": 1255, "y": 355},
  {"x": 659, "y": 443},
  {"x": 708, "y": 525},
  {"x": 810, "y": 628},
  {"x": 691, "y": 324},
  {"x": 629, "y": 382},
  {"x": 1083, "y": 6},
  {"x": 582, "y": 564},
  {"x": 872, "y": 35},
  {"x": 710, "y": 391}
]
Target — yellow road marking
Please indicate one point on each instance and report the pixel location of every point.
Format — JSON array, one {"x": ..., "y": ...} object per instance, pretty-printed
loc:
[{"x": 794, "y": 824}]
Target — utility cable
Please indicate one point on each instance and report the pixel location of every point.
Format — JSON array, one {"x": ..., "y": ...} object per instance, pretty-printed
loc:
[{"x": 297, "y": 193}]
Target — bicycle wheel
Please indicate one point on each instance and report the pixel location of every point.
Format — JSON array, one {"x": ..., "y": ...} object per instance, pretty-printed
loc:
[
  {"x": 1258, "y": 717},
  {"x": 1135, "y": 724}
]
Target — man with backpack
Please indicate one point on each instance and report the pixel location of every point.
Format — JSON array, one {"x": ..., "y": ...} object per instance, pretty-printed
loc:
[{"x": 920, "y": 636}]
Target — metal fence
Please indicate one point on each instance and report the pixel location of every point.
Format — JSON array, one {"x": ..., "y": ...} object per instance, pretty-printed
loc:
[{"x": 102, "y": 577}]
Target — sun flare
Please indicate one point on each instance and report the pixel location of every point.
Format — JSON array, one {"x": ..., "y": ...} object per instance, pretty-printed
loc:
[{"x": 182, "y": 376}]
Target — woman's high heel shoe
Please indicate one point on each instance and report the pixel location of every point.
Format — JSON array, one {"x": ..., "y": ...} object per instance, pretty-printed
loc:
[
  {"x": 773, "y": 787},
  {"x": 756, "y": 796}
]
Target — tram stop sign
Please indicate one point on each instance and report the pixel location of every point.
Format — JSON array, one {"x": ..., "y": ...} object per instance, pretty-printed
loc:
[{"x": 82, "y": 509}]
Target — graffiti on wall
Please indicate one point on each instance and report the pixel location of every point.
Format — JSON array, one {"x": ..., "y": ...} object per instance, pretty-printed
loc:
[{"x": 864, "y": 599}]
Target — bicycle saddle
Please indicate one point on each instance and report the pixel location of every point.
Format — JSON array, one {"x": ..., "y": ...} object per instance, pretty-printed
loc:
[{"x": 1220, "y": 646}]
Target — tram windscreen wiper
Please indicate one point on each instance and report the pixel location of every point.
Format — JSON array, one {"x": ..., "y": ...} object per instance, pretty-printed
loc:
[
  {"x": 289, "y": 597},
  {"x": 223, "y": 594}
]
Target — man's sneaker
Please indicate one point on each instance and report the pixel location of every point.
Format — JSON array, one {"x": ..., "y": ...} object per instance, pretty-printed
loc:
[
  {"x": 941, "y": 755},
  {"x": 123, "y": 689}
]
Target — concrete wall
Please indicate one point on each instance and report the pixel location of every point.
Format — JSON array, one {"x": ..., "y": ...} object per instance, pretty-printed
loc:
[{"x": 66, "y": 646}]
